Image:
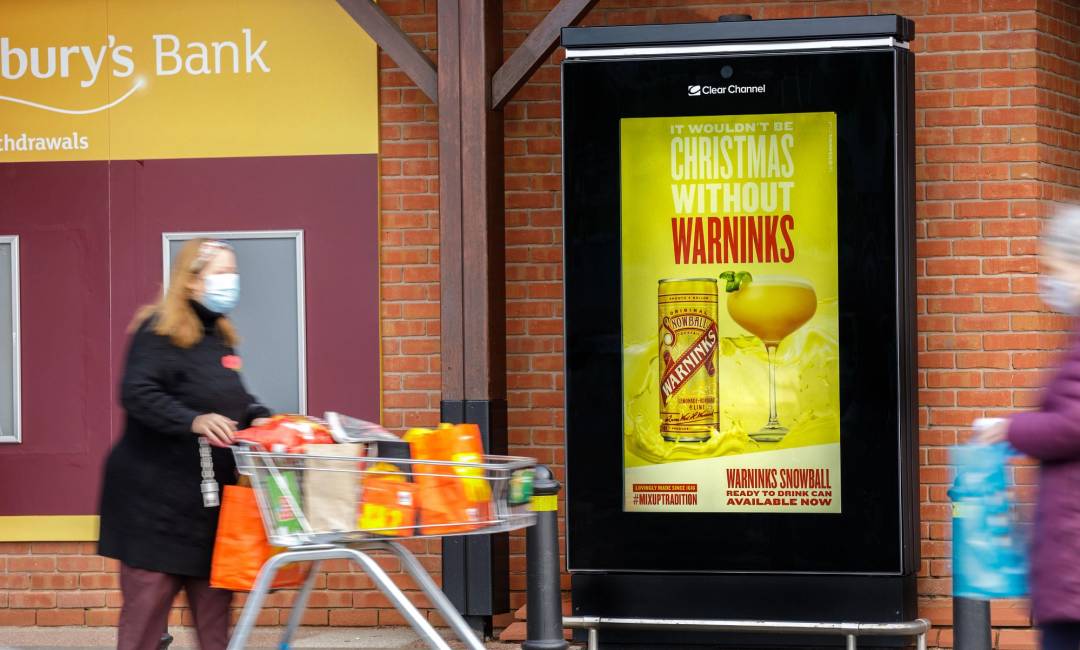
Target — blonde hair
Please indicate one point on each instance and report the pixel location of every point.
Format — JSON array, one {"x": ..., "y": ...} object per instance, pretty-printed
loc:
[{"x": 173, "y": 315}]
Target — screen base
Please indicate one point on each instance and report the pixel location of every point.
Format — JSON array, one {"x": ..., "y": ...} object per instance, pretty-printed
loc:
[{"x": 870, "y": 599}]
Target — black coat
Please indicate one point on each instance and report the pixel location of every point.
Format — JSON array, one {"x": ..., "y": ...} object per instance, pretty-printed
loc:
[{"x": 152, "y": 514}]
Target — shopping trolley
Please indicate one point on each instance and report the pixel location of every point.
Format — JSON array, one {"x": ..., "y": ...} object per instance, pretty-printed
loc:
[{"x": 323, "y": 507}]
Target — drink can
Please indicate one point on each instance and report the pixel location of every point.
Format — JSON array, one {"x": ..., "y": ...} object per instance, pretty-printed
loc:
[{"x": 687, "y": 310}]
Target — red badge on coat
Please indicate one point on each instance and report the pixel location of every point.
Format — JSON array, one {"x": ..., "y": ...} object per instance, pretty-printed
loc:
[{"x": 232, "y": 362}]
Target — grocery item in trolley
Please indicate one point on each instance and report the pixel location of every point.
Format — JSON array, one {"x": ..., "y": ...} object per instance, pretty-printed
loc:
[
  {"x": 389, "y": 506},
  {"x": 287, "y": 434},
  {"x": 330, "y": 494},
  {"x": 453, "y": 498},
  {"x": 283, "y": 492}
]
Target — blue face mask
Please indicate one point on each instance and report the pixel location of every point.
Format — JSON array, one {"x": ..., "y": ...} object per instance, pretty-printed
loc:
[
  {"x": 221, "y": 292},
  {"x": 1059, "y": 294}
]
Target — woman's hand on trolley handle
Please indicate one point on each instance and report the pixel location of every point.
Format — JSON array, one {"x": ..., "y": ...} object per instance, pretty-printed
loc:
[{"x": 217, "y": 429}]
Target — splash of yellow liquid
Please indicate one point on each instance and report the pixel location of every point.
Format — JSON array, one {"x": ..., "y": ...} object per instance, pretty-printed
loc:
[{"x": 807, "y": 372}]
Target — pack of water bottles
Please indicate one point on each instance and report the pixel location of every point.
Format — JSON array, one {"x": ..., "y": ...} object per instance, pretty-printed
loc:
[{"x": 990, "y": 537}]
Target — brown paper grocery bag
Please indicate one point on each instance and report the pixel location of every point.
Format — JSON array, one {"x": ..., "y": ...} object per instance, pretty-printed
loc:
[{"x": 331, "y": 497}]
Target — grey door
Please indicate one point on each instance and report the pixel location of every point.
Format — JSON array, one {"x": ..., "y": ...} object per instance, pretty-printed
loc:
[
  {"x": 270, "y": 314},
  {"x": 9, "y": 340}
]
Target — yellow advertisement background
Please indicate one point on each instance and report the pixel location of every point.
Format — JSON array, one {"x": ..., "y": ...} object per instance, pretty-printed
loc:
[
  {"x": 807, "y": 372},
  {"x": 319, "y": 97}
]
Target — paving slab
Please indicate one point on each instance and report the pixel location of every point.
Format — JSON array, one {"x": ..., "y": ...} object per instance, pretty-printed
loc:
[{"x": 89, "y": 638}]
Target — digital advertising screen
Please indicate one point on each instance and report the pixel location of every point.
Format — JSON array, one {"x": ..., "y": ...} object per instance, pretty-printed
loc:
[{"x": 739, "y": 311}]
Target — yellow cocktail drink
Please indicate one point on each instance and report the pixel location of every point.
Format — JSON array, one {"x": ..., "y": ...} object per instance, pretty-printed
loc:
[{"x": 770, "y": 308}]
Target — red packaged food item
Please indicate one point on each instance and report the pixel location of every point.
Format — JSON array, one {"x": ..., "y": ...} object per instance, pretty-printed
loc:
[{"x": 289, "y": 434}]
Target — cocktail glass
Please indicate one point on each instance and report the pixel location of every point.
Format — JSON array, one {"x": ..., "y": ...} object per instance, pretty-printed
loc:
[{"x": 771, "y": 308}]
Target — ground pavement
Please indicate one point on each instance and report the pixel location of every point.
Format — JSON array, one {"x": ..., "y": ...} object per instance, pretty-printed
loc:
[{"x": 86, "y": 638}]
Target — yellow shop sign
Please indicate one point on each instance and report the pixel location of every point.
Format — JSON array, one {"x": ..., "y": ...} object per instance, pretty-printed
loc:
[{"x": 135, "y": 79}]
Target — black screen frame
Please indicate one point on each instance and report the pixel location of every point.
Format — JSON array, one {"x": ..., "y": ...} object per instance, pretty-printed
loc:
[{"x": 870, "y": 92}]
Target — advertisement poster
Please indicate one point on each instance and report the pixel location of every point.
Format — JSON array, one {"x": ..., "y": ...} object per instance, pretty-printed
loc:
[{"x": 730, "y": 314}]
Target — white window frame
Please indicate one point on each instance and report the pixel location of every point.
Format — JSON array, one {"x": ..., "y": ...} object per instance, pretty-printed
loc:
[
  {"x": 14, "y": 437},
  {"x": 301, "y": 311}
]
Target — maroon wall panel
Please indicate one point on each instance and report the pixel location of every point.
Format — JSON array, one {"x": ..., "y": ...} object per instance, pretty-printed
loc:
[
  {"x": 91, "y": 254},
  {"x": 60, "y": 212}
]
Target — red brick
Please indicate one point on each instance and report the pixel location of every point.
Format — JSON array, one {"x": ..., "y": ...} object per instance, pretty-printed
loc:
[
  {"x": 993, "y": 265},
  {"x": 32, "y": 600},
  {"x": 982, "y": 285},
  {"x": 1013, "y": 303},
  {"x": 983, "y": 323},
  {"x": 99, "y": 581},
  {"x": 983, "y": 397},
  {"x": 952, "y": 305},
  {"x": 1018, "y": 640},
  {"x": 980, "y": 23},
  {"x": 1022, "y": 360},
  {"x": 983, "y": 360},
  {"x": 952, "y": 267},
  {"x": 952, "y": 154},
  {"x": 32, "y": 564},
  {"x": 14, "y": 581},
  {"x": 55, "y": 548},
  {"x": 953, "y": 42},
  {"x": 80, "y": 599},
  {"x": 1009, "y": 5},
  {"x": 1024, "y": 341},
  {"x": 952, "y": 190},
  {"x": 952, "y": 379},
  {"x": 354, "y": 618},
  {"x": 17, "y": 617},
  {"x": 979, "y": 97},
  {"x": 952, "y": 117},
  {"x": 1008, "y": 115},
  {"x": 1010, "y": 41},
  {"x": 52, "y": 581}
]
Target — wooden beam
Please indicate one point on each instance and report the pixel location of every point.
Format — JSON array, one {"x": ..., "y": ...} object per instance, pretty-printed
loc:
[
  {"x": 384, "y": 31},
  {"x": 538, "y": 45},
  {"x": 482, "y": 203},
  {"x": 451, "y": 269}
]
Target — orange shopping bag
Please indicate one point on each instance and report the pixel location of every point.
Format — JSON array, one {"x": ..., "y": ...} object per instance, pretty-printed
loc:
[{"x": 241, "y": 547}]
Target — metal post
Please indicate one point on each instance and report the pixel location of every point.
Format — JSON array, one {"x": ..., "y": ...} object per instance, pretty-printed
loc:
[
  {"x": 971, "y": 623},
  {"x": 544, "y": 625}
]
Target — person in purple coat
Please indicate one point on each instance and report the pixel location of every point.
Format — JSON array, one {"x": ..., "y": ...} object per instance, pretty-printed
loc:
[{"x": 1051, "y": 435}]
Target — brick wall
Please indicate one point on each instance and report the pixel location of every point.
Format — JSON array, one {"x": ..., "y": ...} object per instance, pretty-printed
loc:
[{"x": 998, "y": 117}]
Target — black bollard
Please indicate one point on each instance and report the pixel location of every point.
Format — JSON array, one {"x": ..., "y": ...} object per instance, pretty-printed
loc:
[
  {"x": 971, "y": 624},
  {"x": 544, "y": 623}
]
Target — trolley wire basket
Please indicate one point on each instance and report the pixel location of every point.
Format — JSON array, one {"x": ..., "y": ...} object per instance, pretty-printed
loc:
[{"x": 359, "y": 494}]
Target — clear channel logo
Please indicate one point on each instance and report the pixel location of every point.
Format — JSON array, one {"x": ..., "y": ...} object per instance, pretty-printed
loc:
[{"x": 697, "y": 90}]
